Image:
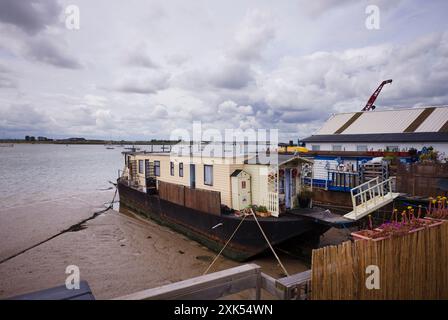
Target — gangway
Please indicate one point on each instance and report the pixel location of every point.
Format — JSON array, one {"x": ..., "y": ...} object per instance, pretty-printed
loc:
[{"x": 370, "y": 196}]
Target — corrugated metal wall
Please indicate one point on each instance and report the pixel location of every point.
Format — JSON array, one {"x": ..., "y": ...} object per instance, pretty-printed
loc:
[
  {"x": 435, "y": 121},
  {"x": 383, "y": 121},
  {"x": 335, "y": 122}
]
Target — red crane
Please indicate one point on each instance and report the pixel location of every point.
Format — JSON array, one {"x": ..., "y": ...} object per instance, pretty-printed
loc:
[{"x": 369, "y": 106}]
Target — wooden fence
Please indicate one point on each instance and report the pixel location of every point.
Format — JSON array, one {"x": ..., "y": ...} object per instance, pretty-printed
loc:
[
  {"x": 422, "y": 179},
  {"x": 198, "y": 199},
  {"x": 172, "y": 192},
  {"x": 414, "y": 266}
]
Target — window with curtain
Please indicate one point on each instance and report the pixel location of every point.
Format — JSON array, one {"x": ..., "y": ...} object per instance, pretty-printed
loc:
[
  {"x": 181, "y": 169},
  {"x": 157, "y": 168},
  {"x": 140, "y": 166},
  {"x": 208, "y": 175}
]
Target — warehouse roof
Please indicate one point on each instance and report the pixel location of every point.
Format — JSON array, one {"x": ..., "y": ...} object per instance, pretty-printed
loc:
[
  {"x": 381, "y": 137},
  {"x": 428, "y": 119}
]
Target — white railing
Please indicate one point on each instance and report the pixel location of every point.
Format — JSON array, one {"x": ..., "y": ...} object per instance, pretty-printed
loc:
[
  {"x": 273, "y": 203},
  {"x": 371, "y": 193}
]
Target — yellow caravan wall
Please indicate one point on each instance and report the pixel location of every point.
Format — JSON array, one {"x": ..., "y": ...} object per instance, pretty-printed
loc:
[
  {"x": 221, "y": 173},
  {"x": 259, "y": 183}
]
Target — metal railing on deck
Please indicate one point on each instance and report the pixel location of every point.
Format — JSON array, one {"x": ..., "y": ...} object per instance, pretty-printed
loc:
[
  {"x": 372, "y": 192},
  {"x": 341, "y": 180}
]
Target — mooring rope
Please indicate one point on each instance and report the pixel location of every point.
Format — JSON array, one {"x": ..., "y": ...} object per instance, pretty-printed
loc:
[
  {"x": 270, "y": 246},
  {"x": 231, "y": 237}
]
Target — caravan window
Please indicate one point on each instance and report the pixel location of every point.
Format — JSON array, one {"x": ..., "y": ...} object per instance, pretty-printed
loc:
[
  {"x": 157, "y": 168},
  {"x": 172, "y": 168},
  {"x": 140, "y": 166},
  {"x": 208, "y": 175},
  {"x": 181, "y": 169}
]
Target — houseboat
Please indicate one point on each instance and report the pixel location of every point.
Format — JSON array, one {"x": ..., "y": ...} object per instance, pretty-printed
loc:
[{"x": 207, "y": 198}]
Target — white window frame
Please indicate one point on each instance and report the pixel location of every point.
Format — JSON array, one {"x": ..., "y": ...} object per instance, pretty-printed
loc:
[
  {"x": 141, "y": 168},
  {"x": 208, "y": 181}
]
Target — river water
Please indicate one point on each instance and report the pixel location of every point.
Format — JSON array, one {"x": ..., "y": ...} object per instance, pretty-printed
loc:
[{"x": 48, "y": 188}]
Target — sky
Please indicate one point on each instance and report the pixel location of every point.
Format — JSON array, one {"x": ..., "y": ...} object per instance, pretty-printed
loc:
[{"x": 140, "y": 69}]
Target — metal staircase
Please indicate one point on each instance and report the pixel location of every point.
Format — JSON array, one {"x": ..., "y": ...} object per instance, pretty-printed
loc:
[{"x": 370, "y": 196}]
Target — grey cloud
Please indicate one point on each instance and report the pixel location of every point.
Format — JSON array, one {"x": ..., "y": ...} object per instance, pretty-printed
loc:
[
  {"x": 30, "y": 16},
  {"x": 45, "y": 51},
  {"x": 253, "y": 35},
  {"x": 177, "y": 59},
  {"x": 139, "y": 58},
  {"x": 79, "y": 116},
  {"x": 232, "y": 76},
  {"x": 318, "y": 7},
  {"x": 23, "y": 117},
  {"x": 6, "y": 81},
  {"x": 143, "y": 85}
]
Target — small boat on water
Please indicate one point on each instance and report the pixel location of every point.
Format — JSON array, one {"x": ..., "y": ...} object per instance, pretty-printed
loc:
[
  {"x": 207, "y": 199},
  {"x": 6, "y": 145},
  {"x": 110, "y": 148}
]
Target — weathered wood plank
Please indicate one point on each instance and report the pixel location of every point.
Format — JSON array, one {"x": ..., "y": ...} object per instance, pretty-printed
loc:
[
  {"x": 292, "y": 286},
  {"x": 172, "y": 192},
  {"x": 210, "y": 286},
  {"x": 269, "y": 284},
  {"x": 203, "y": 200},
  {"x": 295, "y": 279}
]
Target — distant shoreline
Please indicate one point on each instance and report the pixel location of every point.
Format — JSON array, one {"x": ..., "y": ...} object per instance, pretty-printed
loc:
[{"x": 90, "y": 142}]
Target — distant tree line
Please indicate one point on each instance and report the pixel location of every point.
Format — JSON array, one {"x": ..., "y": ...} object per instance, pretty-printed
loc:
[
  {"x": 33, "y": 138},
  {"x": 79, "y": 140}
]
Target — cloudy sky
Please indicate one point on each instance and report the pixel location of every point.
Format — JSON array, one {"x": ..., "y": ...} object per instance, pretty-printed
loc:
[{"x": 140, "y": 69}]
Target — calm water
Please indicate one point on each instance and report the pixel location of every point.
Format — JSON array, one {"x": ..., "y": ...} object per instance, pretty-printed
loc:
[{"x": 33, "y": 173}]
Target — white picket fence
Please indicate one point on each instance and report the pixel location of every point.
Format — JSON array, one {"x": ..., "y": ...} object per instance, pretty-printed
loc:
[{"x": 273, "y": 203}]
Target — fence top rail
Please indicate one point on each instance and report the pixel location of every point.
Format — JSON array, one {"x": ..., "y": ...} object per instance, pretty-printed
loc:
[
  {"x": 295, "y": 279},
  {"x": 367, "y": 183},
  {"x": 195, "y": 285}
]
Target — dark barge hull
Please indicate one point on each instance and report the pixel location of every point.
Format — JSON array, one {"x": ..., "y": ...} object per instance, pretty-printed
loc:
[{"x": 246, "y": 243}]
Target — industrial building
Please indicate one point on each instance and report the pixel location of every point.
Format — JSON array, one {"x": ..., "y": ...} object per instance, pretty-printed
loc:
[{"x": 385, "y": 130}]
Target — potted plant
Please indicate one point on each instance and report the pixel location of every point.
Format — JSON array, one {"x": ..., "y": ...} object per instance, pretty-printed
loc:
[
  {"x": 437, "y": 209},
  {"x": 260, "y": 211},
  {"x": 409, "y": 223},
  {"x": 374, "y": 234}
]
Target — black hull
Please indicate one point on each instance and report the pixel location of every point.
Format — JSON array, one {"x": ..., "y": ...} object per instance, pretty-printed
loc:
[{"x": 197, "y": 225}]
